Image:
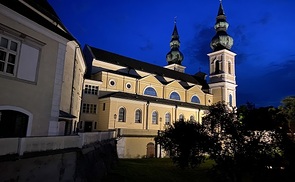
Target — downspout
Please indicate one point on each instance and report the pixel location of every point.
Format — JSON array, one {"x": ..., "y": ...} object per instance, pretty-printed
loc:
[{"x": 147, "y": 114}]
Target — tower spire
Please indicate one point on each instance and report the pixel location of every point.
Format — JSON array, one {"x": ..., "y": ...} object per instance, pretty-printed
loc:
[
  {"x": 221, "y": 40},
  {"x": 174, "y": 56}
]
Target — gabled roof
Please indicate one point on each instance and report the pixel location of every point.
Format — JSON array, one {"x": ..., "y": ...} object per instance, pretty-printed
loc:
[
  {"x": 129, "y": 96},
  {"x": 44, "y": 8},
  {"x": 116, "y": 59}
]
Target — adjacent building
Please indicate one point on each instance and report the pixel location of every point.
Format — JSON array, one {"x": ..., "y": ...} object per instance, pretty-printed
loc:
[{"x": 41, "y": 71}]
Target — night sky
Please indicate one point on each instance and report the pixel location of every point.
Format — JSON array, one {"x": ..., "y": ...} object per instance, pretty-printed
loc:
[{"x": 263, "y": 33}]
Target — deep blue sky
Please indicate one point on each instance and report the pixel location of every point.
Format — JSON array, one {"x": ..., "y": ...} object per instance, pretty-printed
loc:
[{"x": 263, "y": 33}]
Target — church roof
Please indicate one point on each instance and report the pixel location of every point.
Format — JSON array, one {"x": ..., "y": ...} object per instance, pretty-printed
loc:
[
  {"x": 129, "y": 96},
  {"x": 39, "y": 12},
  {"x": 113, "y": 58}
]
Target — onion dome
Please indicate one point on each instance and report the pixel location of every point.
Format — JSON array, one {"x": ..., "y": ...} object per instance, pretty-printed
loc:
[
  {"x": 174, "y": 56},
  {"x": 221, "y": 40}
]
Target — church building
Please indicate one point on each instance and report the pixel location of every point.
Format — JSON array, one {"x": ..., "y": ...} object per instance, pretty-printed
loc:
[{"x": 139, "y": 99}]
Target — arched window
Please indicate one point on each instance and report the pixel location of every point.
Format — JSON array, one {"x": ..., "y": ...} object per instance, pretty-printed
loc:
[
  {"x": 217, "y": 67},
  {"x": 122, "y": 114},
  {"x": 150, "y": 91},
  {"x": 155, "y": 117},
  {"x": 181, "y": 117},
  {"x": 229, "y": 67},
  {"x": 174, "y": 96},
  {"x": 138, "y": 116},
  {"x": 230, "y": 100},
  {"x": 192, "y": 118},
  {"x": 13, "y": 124},
  {"x": 195, "y": 99},
  {"x": 167, "y": 118}
]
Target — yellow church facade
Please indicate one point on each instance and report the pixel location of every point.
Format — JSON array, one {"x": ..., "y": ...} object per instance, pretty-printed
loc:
[{"x": 138, "y": 99}]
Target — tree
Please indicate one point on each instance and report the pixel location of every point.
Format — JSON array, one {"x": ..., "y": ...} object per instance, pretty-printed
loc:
[
  {"x": 235, "y": 147},
  {"x": 186, "y": 143},
  {"x": 287, "y": 108}
]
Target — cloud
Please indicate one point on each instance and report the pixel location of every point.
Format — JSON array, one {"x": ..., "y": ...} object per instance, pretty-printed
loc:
[
  {"x": 264, "y": 19},
  {"x": 270, "y": 86},
  {"x": 198, "y": 48}
]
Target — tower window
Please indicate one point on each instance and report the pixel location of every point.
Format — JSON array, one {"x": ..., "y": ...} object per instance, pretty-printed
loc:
[
  {"x": 229, "y": 68},
  {"x": 217, "y": 70},
  {"x": 230, "y": 100}
]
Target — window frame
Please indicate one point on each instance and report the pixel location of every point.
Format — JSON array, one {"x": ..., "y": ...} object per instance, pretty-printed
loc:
[
  {"x": 7, "y": 52},
  {"x": 194, "y": 96},
  {"x": 167, "y": 118},
  {"x": 138, "y": 116},
  {"x": 89, "y": 108},
  {"x": 155, "y": 117},
  {"x": 173, "y": 95},
  {"x": 147, "y": 91},
  {"x": 122, "y": 115}
]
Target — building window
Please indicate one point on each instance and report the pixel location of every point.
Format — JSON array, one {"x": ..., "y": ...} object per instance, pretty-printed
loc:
[
  {"x": 91, "y": 89},
  {"x": 112, "y": 82},
  {"x": 128, "y": 85},
  {"x": 138, "y": 116},
  {"x": 181, "y": 117},
  {"x": 95, "y": 125},
  {"x": 229, "y": 68},
  {"x": 217, "y": 70},
  {"x": 122, "y": 114},
  {"x": 155, "y": 117},
  {"x": 8, "y": 55},
  {"x": 89, "y": 108},
  {"x": 167, "y": 119},
  {"x": 230, "y": 100},
  {"x": 174, "y": 96},
  {"x": 150, "y": 91},
  {"x": 195, "y": 99},
  {"x": 192, "y": 118},
  {"x": 104, "y": 106}
]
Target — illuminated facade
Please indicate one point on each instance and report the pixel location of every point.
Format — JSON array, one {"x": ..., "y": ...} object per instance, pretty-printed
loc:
[
  {"x": 41, "y": 72},
  {"x": 139, "y": 99}
]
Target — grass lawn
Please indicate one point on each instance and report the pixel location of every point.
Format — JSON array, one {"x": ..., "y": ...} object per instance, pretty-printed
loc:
[{"x": 147, "y": 170}]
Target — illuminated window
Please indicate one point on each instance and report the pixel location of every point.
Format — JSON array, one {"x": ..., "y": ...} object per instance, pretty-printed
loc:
[
  {"x": 167, "y": 118},
  {"x": 138, "y": 116},
  {"x": 9, "y": 50},
  {"x": 195, "y": 99},
  {"x": 122, "y": 114},
  {"x": 174, "y": 96},
  {"x": 150, "y": 91},
  {"x": 155, "y": 117}
]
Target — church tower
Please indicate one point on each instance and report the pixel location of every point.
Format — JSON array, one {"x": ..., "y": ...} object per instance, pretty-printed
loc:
[
  {"x": 174, "y": 57},
  {"x": 222, "y": 79}
]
